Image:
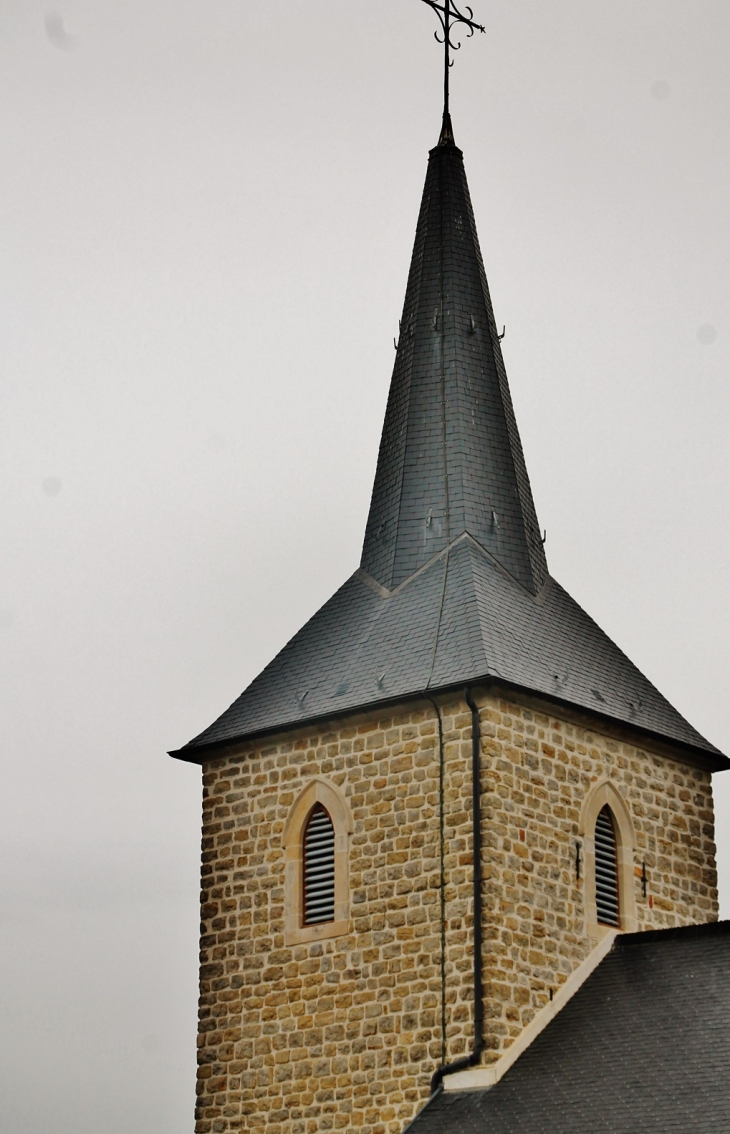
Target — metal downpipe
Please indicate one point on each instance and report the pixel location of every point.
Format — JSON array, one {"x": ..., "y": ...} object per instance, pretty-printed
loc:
[{"x": 474, "y": 1055}]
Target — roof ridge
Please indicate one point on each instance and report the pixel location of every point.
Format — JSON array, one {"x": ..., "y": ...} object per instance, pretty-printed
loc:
[
  {"x": 480, "y": 1078},
  {"x": 669, "y": 933}
]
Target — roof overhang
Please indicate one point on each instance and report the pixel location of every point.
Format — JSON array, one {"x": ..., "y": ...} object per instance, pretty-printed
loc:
[{"x": 595, "y": 721}]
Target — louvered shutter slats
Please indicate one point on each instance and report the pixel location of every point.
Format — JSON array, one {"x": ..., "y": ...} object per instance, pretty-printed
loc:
[
  {"x": 607, "y": 904},
  {"x": 319, "y": 868}
]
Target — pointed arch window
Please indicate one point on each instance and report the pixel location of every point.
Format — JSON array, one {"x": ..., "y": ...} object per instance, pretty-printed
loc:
[
  {"x": 319, "y": 867},
  {"x": 316, "y": 839},
  {"x": 606, "y": 866},
  {"x": 608, "y": 850}
]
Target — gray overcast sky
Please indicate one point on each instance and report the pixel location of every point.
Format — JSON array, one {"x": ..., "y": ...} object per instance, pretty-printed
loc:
[{"x": 207, "y": 215}]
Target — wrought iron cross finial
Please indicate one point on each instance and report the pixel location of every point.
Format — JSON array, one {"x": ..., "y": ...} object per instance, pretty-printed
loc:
[{"x": 450, "y": 17}]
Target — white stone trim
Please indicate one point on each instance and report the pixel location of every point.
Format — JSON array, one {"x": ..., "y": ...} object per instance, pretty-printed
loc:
[
  {"x": 318, "y": 790},
  {"x": 605, "y": 792},
  {"x": 481, "y": 1077}
]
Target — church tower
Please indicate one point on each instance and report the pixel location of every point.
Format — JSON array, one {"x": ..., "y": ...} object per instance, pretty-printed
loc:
[{"x": 448, "y": 792}]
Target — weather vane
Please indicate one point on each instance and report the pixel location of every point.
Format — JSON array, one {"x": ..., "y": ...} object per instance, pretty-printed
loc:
[{"x": 450, "y": 18}]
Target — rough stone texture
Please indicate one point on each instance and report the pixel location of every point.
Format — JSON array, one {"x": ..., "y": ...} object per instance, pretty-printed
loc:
[
  {"x": 344, "y": 1034},
  {"x": 536, "y": 774}
]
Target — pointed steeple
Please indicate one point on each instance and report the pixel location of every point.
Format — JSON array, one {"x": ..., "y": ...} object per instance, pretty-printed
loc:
[
  {"x": 450, "y": 457},
  {"x": 453, "y": 587},
  {"x": 446, "y": 137}
]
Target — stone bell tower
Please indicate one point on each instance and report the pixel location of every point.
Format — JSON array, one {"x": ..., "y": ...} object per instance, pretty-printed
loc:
[{"x": 450, "y": 789}]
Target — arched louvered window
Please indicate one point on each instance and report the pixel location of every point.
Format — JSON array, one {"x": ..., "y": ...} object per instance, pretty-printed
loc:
[
  {"x": 607, "y": 901},
  {"x": 319, "y": 868}
]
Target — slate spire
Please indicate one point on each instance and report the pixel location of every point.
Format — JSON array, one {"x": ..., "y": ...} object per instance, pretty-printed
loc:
[
  {"x": 453, "y": 588},
  {"x": 450, "y": 456}
]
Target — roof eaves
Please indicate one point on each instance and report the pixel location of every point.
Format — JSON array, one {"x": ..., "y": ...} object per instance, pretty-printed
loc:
[
  {"x": 190, "y": 752},
  {"x": 712, "y": 760}
]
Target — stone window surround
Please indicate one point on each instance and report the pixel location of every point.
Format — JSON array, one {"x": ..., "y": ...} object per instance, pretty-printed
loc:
[
  {"x": 605, "y": 793},
  {"x": 318, "y": 790}
]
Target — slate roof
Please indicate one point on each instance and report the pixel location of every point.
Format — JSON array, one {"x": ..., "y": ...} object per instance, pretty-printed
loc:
[
  {"x": 453, "y": 586},
  {"x": 643, "y": 1046},
  {"x": 450, "y": 459}
]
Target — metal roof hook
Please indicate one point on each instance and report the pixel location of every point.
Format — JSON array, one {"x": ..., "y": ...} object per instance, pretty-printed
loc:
[{"x": 500, "y": 337}]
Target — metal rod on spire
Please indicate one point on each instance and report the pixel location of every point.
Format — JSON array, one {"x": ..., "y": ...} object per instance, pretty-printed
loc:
[{"x": 451, "y": 17}]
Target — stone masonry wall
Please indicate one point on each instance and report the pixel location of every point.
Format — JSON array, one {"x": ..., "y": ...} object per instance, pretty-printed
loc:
[
  {"x": 536, "y": 773},
  {"x": 344, "y": 1034}
]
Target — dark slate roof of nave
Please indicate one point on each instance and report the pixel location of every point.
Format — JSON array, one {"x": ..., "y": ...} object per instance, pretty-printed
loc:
[
  {"x": 643, "y": 1046},
  {"x": 453, "y": 585}
]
